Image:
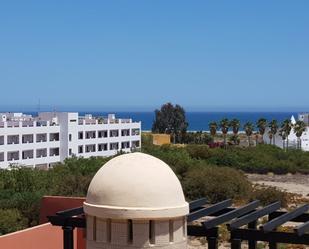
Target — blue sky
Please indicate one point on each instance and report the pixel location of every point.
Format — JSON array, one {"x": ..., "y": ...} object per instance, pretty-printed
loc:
[{"x": 137, "y": 55}]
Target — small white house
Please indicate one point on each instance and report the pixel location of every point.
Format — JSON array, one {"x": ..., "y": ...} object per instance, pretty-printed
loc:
[{"x": 292, "y": 139}]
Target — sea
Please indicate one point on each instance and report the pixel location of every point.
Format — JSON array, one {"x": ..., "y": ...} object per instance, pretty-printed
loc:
[{"x": 198, "y": 121}]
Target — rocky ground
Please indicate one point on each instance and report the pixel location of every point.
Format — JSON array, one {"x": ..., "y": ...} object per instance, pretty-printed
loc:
[{"x": 296, "y": 184}]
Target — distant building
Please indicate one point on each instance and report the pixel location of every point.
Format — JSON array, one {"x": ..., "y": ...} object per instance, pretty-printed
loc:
[
  {"x": 54, "y": 136},
  {"x": 292, "y": 139}
]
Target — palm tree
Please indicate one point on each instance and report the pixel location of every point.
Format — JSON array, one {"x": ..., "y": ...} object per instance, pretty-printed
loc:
[
  {"x": 261, "y": 125},
  {"x": 273, "y": 125},
  {"x": 249, "y": 130},
  {"x": 286, "y": 128},
  {"x": 224, "y": 126},
  {"x": 235, "y": 124},
  {"x": 213, "y": 129},
  {"x": 299, "y": 128}
]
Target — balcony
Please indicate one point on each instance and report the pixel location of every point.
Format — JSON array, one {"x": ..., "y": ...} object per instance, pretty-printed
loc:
[
  {"x": 125, "y": 133},
  {"x": 54, "y": 152},
  {"x": 41, "y": 153},
  {"x": 135, "y": 132},
  {"x": 90, "y": 148},
  {"x": 103, "y": 133},
  {"x": 13, "y": 155},
  {"x": 125, "y": 145},
  {"x": 114, "y": 146},
  {"x": 113, "y": 133},
  {"x": 27, "y": 139},
  {"x": 27, "y": 124},
  {"x": 54, "y": 137},
  {"x": 41, "y": 137},
  {"x": 27, "y": 154},
  {"x": 13, "y": 139},
  {"x": 102, "y": 147},
  {"x": 90, "y": 134},
  {"x": 136, "y": 144}
]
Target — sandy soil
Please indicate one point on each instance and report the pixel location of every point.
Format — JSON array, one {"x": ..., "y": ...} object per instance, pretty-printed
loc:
[{"x": 296, "y": 184}]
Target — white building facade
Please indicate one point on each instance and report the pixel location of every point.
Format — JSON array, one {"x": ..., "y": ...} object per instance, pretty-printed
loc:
[
  {"x": 292, "y": 138},
  {"x": 54, "y": 136}
]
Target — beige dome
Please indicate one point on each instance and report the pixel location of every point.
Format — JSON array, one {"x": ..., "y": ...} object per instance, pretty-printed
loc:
[{"x": 135, "y": 185}]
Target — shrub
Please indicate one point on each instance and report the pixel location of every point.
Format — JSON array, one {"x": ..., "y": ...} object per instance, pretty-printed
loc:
[
  {"x": 216, "y": 184},
  {"x": 268, "y": 195}
]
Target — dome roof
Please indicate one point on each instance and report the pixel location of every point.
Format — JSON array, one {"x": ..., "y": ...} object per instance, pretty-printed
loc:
[{"x": 135, "y": 185}]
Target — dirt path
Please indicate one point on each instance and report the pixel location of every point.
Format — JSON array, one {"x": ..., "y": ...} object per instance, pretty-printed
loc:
[{"x": 298, "y": 184}]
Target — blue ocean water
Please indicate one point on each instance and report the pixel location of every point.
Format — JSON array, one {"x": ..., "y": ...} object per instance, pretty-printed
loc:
[{"x": 200, "y": 120}]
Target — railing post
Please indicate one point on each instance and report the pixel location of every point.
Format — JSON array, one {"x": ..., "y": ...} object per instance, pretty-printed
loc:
[
  {"x": 212, "y": 240},
  {"x": 235, "y": 244},
  {"x": 252, "y": 243},
  {"x": 272, "y": 245},
  {"x": 68, "y": 239}
]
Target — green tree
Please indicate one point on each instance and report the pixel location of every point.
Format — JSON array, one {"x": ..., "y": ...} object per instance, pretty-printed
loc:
[
  {"x": 249, "y": 127},
  {"x": 299, "y": 128},
  {"x": 273, "y": 126},
  {"x": 224, "y": 126},
  {"x": 286, "y": 128},
  {"x": 170, "y": 119},
  {"x": 261, "y": 125},
  {"x": 213, "y": 126}
]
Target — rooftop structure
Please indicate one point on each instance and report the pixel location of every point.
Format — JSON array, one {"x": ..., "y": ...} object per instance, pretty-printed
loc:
[
  {"x": 125, "y": 211},
  {"x": 51, "y": 137}
]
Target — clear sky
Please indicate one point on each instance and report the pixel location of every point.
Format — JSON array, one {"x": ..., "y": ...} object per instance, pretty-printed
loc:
[{"x": 204, "y": 55}]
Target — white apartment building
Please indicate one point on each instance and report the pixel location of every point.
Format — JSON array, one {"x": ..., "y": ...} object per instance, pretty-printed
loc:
[{"x": 54, "y": 136}]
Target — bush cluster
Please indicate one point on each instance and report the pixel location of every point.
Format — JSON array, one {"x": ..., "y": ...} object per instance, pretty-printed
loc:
[{"x": 203, "y": 172}]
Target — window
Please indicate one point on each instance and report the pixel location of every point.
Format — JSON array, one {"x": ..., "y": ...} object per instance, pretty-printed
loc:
[
  {"x": 80, "y": 135},
  {"x": 41, "y": 137},
  {"x": 70, "y": 152},
  {"x": 102, "y": 134},
  {"x": 1, "y": 156},
  {"x": 80, "y": 149},
  {"x": 113, "y": 146},
  {"x": 102, "y": 147},
  {"x": 73, "y": 120},
  {"x": 70, "y": 137},
  {"x": 113, "y": 133}
]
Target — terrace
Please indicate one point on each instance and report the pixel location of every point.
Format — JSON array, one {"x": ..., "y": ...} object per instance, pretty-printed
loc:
[
  {"x": 27, "y": 154},
  {"x": 41, "y": 153},
  {"x": 13, "y": 155}
]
